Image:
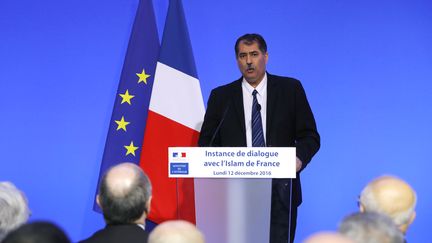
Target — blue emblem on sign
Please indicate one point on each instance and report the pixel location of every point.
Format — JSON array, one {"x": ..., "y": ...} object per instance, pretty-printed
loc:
[{"x": 179, "y": 168}]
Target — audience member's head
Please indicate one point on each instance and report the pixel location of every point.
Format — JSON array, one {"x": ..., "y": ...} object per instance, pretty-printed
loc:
[
  {"x": 125, "y": 194},
  {"x": 176, "y": 231},
  {"x": 328, "y": 237},
  {"x": 37, "y": 232},
  {"x": 370, "y": 228},
  {"x": 14, "y": 209},
  {"x": 391, "y": 196}
]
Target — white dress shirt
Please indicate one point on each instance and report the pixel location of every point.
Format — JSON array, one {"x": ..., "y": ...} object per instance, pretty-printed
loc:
[{"x": 247, "y": 90}]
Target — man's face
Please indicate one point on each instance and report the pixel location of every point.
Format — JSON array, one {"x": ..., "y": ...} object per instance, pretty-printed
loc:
[{"x": 251, "y": 62}]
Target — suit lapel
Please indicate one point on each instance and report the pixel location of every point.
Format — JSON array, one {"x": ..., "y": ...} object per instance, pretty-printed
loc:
[
  {"x": 271, "y": 106},
  {"x": 237, "y": 97}
]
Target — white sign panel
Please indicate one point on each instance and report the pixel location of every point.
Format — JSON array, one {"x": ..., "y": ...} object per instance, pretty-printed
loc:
[{"x": 232, "y": 162}]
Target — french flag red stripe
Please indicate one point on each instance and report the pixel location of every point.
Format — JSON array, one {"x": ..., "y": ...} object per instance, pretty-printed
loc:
[{"x": 172, "y": 198}]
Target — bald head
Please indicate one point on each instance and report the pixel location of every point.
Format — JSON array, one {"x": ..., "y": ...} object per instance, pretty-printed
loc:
[
  {"x": 125, "y": 194},
  {"x": 328, "y": 237},
  {"x": 121, "y": 178},
  {"x": 391, "y": 196},
  {"x": 176, "y": 231}
]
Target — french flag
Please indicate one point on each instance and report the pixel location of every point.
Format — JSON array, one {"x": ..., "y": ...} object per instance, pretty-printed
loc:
[
  {"x": 174, "y": 119},
  {"x": 179, "y": 155}
]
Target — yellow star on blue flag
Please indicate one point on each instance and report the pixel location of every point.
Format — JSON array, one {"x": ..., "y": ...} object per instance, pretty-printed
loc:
[
  {"x": 122, "y": 124},
  {"x": 143, "y": 77},
  {"x": 130, "y": 149}
]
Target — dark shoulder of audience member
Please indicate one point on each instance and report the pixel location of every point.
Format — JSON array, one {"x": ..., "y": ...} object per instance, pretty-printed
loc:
[{"x": 37, "y": 232}]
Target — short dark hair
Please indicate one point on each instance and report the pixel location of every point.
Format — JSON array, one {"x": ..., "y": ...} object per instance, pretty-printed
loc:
[
  {"x": 128, "y": 207},
  {"x": 37, "y": 232},
  {"x": 249, "y": 39}
]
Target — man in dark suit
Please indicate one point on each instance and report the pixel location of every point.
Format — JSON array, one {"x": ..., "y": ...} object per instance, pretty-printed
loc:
[
  {"x": 237, "y": 113},
  {"x": 124, "y": 197}
]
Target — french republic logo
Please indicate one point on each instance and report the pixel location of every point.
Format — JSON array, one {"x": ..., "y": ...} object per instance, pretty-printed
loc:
[
  {"x": 177, "y": 168},
  {"x": 179, "y": 155}
]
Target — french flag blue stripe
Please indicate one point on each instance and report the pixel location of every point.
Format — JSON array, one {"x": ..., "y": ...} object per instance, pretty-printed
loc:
[{"x": 176, "y": 50}]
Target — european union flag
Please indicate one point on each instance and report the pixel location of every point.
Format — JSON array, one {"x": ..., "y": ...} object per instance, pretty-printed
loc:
[{"x": 129, "y": 117}]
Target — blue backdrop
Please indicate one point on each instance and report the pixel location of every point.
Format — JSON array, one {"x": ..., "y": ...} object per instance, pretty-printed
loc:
[{"x": 366, "y": 67}]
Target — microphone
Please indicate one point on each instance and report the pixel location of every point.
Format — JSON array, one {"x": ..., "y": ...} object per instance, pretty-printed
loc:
[
  {"x": 258, "y": 107},
  {"x": 219, "y": 126}
]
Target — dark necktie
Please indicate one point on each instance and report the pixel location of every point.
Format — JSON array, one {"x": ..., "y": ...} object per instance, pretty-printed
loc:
[{"x": 257, "y": 129}]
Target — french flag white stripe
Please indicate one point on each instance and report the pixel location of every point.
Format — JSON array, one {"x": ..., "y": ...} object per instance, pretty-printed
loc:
[{"x": 177, "y": 96}]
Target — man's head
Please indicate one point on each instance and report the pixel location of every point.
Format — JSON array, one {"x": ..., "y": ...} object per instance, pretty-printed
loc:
[
  {"x": 328, "y": 237},
  {"x": 252, "y": 57},
  {"x": 370, "y": 228},
  {"x": 125, "y": 194},
  {"x": 37, "y": 232},
  {"x": 176, "y": 231},
  {"x": 391, "y": 196},
  {"x": 14, "y": 209}
]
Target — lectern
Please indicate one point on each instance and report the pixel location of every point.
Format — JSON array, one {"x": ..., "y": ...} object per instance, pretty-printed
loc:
[{"x": 233, "y": 187}]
